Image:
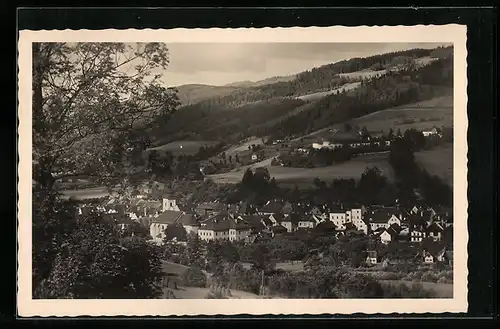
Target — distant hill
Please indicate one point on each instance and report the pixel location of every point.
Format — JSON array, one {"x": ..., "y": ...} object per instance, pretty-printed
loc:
[
  {"x": 194, "y": 93},
  {"x": 311, "y": 100},
  {"x": 268, "y": 81}
]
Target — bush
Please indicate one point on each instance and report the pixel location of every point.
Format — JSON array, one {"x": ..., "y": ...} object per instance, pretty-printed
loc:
[{"x": 194, "y": 277}]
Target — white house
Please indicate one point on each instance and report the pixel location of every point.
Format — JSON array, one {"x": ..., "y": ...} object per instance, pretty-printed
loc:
[
  {"x": 254, "y": 157},
  {"x": 339, "y": 217},
  {"x": 417, "y": 235}
]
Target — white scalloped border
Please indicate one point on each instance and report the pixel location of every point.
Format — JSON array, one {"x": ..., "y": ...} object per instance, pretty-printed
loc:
[{"x": 453, "y": 33}]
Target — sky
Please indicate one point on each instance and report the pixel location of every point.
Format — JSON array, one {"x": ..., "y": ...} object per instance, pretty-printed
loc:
[{"x": 222, "y": 63}]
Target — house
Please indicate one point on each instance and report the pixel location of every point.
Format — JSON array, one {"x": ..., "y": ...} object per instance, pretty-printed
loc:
[
  {"x": 276, "y": 219},
  {"x": 384, "y": 217},
  {"x": 431, "y": 132},
  {"x": 338, "y": 217},
  {"x": 255, "y": 222},
  {"x": 417, "y": 235},
  {"x": 254, "y": 157},
  {"x": 290, "y": 222},
  {"x": 435, "y": 231},
  {"x": 160, "y": 223},
  {"x": 238, "y": 230},
  {"x": 371, "y": 258},
  {"x": 209, "y": 209},
  {"x": 445, "y": 256},
  {"x": 428, "y": 258},
  {"x": 309, "y": 222},
  {"x": 215, "y": 228},
  {"x": 390, "y": 234}
]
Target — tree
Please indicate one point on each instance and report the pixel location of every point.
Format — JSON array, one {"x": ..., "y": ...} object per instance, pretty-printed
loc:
[
  {"x": 95, "y": 263},
  {"x": 390, "y": 134},
  {"x": 93, "y": 104},
  {"x": 93, "y": 107},
  {"x": 260, "y": 257},
  {"x": 176, "y": 231}
]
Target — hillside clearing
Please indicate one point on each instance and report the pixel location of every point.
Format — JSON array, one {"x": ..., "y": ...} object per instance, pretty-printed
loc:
[
  {"x": 182, "y": 147},
  {"x": 319, "y": 95}
]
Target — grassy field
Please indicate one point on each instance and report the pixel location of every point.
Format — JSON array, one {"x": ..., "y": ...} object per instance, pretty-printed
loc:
[
  {"x": 442, "y": 290},
  {"x": 244, "y": 145},
  {"x": 305, "y": 176},
  {"x": 438, "y": 161},
  {"x": 87, "y": 193},
  {"x": 183, "y": 147},
  {"x": 436, "y": 112},
  {"x": 319, "y": 95}
]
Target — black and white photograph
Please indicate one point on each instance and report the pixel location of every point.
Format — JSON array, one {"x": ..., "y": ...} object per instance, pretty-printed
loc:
[{"x": 263, "y": 171}]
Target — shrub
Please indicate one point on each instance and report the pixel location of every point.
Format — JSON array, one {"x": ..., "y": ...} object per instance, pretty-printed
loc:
[{"x": 194, "y": 277}]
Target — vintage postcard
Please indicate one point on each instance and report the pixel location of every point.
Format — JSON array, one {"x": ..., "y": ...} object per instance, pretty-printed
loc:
[{"x": 295, "y": 171}]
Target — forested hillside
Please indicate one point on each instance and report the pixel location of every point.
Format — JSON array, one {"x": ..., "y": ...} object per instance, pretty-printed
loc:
[{"x": 237, "y": 113}]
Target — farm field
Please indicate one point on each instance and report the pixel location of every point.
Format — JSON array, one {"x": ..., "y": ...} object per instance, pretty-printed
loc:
[
  {"x": 305, "y": 176},
  {"x": 182, "y": 147},
  {"x": 87, "y": 193},
  {"x": 438, "y": 161},
  {"x": 436, "y": 112}
]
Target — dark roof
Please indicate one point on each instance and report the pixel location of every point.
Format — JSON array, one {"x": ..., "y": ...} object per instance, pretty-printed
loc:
[
  {"x": 254, "y": 221},
  {"x": 168, "y": 217},
  {"x": 216, "y": 223},
  {"x": 394, "y": 230},
  {"x": 212, "y": 206},
  {"x": 267, "y": 221},
  {"x": 337, "y": 209},
  {"x": 371, "y": 254},
  {"x": 278, "y": 228},
  {"x": 187, "y": 219},
  {"x": 278, "y": 217},
  {"x": 293, "y": 218},
  {"x": 435, "y": 227},
  {"x": 379, "y": 216},
  {"x": 236, "y": 224},
  {"x": 273, "y": 206}
]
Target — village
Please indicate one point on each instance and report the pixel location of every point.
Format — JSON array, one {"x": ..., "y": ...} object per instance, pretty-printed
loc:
[{"x": 244, "y": 223}]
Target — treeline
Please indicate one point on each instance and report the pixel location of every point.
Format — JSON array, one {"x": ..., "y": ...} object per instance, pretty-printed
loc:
[
  {"x": 391, "y": 90},
  {"x": 410, "y": 178},
  {"x": 317, "y": 158}
]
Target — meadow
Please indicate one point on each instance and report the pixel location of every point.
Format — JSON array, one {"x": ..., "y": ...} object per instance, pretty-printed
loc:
[
  {"x": 438, "y": 161},
  {"x": 182, "y": 147},
  {"x": 305, "y": 176}
]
